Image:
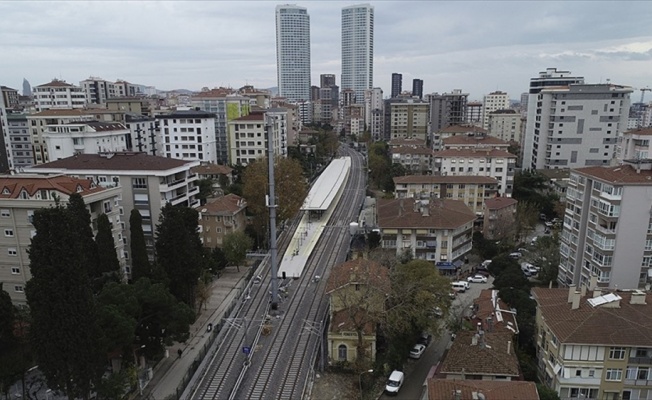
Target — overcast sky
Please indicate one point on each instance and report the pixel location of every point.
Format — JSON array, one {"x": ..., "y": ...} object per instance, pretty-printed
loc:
[{"x": 478, "y": 47}]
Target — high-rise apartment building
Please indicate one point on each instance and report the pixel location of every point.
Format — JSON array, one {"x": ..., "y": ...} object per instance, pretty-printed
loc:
[
  {"x": 494, "y": 101},
  {"x": 293, "y": 52},
  {"x": 474, "y": 113},
  {"x": 408, "y": 119},
  {"x": 358, "y": 49},
  {"x": 417, "y": 88},
  {"x": 20, "y": 143},
  {"x": 327, "y": 80},
  {"x": 447, "y": 109},
  {"x": 607, "y": 229},
  {"x": 10, "y": 96},
  {"x": 97, "y": 90},
  {"x": 397, "y": 84},
  {"x": 374, "y": 116},
  {"x": 551, "y": 77},
  {"x": 575, "y": 126},
  {"x": 189, "y": 135}
]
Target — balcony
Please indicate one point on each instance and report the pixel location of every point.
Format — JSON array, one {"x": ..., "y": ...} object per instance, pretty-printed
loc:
[
  {"x": 605, "y": 229},
  {"x": 640, "y": 360},
  {"x": 638, "y": 382},
  {"x": 603, "y": 243}
]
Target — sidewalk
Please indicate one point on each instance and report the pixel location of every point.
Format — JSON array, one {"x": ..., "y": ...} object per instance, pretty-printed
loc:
[{"x": 170, "y": 372}]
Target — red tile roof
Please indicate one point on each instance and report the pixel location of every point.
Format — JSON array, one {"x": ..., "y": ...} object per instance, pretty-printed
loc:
[
  {"x": 494, "y": 317},
  {"x": 442, "y": 214},
  {"x": 443, "y": 389},
  {"x": 406, "y": 142},
  {"x": 230, "y": 204},
  {"x": 474, "y": 153},
  {"x": 628, "y": 325},
  {"x": 56, "y": 82},
  {"x": 497, "y": 203},
  {"x": 496, "y": 357},
  {"x": 345, "y": 321},
  {"x": 412, "y": 150},
  {"x": 212, "y": 169},
  {"x": 361, "y": 271},
  {"x": 462, "y": 129},
  {"x": 444, "y": 179},
  {"x": 12, "y": 186},
  {"x": 251, "y": 117},
  {"x": 64, "y": 112},
  {"x": 624, "y": 174},
  {"x": 474, "y": 140},
  {"x": 213, "y": 93},
  {"x": 119, "y": 161}
]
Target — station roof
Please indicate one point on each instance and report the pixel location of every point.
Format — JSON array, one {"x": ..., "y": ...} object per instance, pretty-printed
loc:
[{"x": 327, "y": 185}]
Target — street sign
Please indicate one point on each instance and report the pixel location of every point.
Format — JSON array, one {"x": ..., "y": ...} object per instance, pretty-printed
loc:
[{"x": 246, "y": 350}]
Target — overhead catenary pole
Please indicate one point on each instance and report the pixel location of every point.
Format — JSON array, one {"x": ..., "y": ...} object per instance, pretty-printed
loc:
[{"x": 271, "y": 203}]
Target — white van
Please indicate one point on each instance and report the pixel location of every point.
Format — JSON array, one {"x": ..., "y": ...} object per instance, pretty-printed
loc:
[
  {"x": 394, "y": 382},
  {"x": 460, "y": 286}
]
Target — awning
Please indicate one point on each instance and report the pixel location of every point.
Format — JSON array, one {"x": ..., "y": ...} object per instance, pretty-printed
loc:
[
  {"x": 445, "y": 265},
  {"x": 458, "y": 263}
]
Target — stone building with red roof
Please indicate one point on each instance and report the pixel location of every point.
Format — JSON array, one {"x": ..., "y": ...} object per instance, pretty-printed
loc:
[{"x": 221, "y": 216}]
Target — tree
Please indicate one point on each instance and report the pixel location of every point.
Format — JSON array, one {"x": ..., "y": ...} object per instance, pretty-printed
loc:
[
  {"x": 64, "y": 329},
  {"x": 545, "y": 255},
  {"x": 179, "y": 251},
  {"x": 205, "y": 189},
  {"x": 373, "y": 240},
  {"x": 546, "y": 393},
  {"x": 108, "y": 264},
  {"x": 81, "y": 219},
  {"x": 235, "y": 246},
  {"x": 527, "y": 215},
  {"x": 140, "y": 266}
]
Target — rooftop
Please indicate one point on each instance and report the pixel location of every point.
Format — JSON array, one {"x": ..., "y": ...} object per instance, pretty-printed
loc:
[
  {"x": 186, "y": 114},
  {"x": 225, "y": 205},
  {"x": 361, "y": 271},
  {"x": 624, "y": 325},
  {"x": 555, "y": 173},
  {"x": 496, "y": 203},
  {"x": 474, "y": 153},
  {"x": 344, "y": 320},
  {"x": 494, "y": 314},
  {"x": 475, "y": 140},
  {"x": 444, "y": 179},
  {"x": 119, "y": 161},
  {"x": 62, "y": 112},
  {"x": 212, "y": 169},
  {"x": 493, "y": 354},
  {"x": 406, "y": 142},
  {"x": 640, "y": 131},
  {"x": 462, "y": 129},
  {"x": 622, "y": 174},
  {"x": 251, "y": 117},
  {"x": 411, "y": 150},
  {"x": 56, "y": 82},
  {"x": 12, "y": 185},
  {"x": 441, "y": 213},
  {"x": 443, "y": 389}
]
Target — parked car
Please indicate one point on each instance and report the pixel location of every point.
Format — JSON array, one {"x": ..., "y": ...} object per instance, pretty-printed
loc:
[
  {"x": 477, "y": 278},
  {"x": 482, "y": 272},
  {"x": 438, "y": 312},
  {"x": 549, "y": 224},
  {"x": 529, "y": 269},
  {"x": 515, "y": 255},
  {"x": 425, "y": 339},
  {"x": 394, "y": 382},
  {"x": 417, "y": 351},
  {"x": 485, "y": 263},
  {"x": 460, "y": 286}
]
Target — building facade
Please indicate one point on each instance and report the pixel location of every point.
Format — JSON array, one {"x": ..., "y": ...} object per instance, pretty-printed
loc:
[
  {"x": 447, "y": 109},
  {"x": 97, "y": 90},
  {"x": 90, "y": 137},
  {"x": 189, "y": 135},
  {"x": 397, "y": 84},
  {"x": 505, "y": 125},
  {"x": 499, "y": 218},
  {"x": 293, "y": 52},
  {"x": 58, "y": 95},
  {"x": 219, "y": 217},
  {"x": 607, "y": 229},
  {"x": 417, "y": 88},
  {"x": 39, "y": 122},
  {"x": 358, "y": 49},
  {"x": 491, "y": 102},
  {"x": 635, "y": 145},
  {"x": 409, "y": 119},
  {"x": 248, "y": 135},
  {"x": 474, "y": 113},
  {"x": 374, "y": 113},
  {"x": 20, "y": 143}
]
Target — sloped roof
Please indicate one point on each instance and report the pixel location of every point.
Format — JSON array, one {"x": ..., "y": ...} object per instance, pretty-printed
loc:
[
  {"x": 622, "y": 174},
  {"x": 56, "y": 82},
  {"x": 627, "y": 325},
  {"x": 361, "y": 271},
  {"x": 474, "y": 140},
  {"x": 443, "y": 214},
  {"x": 496, "y": 203},
  {"x": 13, "y": 185},
  {"x": 500, "y": 314},
  {"x": 444, "y": 179},
  {"x": 120, "y": 161},
  {"x": 477, "y": 153},
  {"x": 496, "y": 357},
  {"x": 225, "y": 205},
  {"x": 212, "y": 169},
  {"x": 65, "y": 112},
  {"x": 412, "y": 150},
  {"x": 342, "y": 320},
  {"x": 443, "y": 389},
  {"x": 462, "y": 129},
  {"x": 640, "y": 131}
]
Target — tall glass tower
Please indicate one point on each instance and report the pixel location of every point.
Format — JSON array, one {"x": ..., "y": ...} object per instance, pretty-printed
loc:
[
  {"x": 358, "y": 49},
  {"x": 293, "y": 52}
]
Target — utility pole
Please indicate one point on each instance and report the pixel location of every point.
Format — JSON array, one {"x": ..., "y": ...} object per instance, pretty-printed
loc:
[{"x": 271, "y": 203}]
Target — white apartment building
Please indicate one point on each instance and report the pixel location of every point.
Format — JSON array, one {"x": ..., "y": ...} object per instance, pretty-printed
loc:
[
  {"x": 19, "y": 141},
  {"x": 144, "y": 182},
  {"x": 189, "y": 135},
  {"x": 494, "y": 163},
  {"x": 145, "y": 134},
  {"x": 248, "y": 139},
  {"x": 58, "y": 94},
  {"x": 98, "y": 90},
  {"x": 374, "y": 112},
  {"x": 506, "y": 125},
  {"x": 577, "y": 125},
  {"x": 24, "y": 194},
  {"x": 635, "y": 145},
  {"x": 91, "y": 137},
  {"x": 493, "y": 101},
  {"x": 437, "y": 138},
  {"x": 607, "y": 229},
  {"x": 293, "y": 52},
  {"x": 358, "y": 49},
  {"x": 38, "y": 125}
]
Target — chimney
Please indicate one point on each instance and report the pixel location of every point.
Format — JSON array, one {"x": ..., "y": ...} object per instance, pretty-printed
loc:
[
  {"x": 474, "y": 340},
  {"x": 425, "y": 210},
  {"x": 638, "y": 297},
  {"x": 593, "y": 282},
  {"x": 416, "y": 206},
  {"x": 597, "y": 292},
  {"x": 509, "y": 347},
  {"x": 571, "y": 290},
  {"x": 577, "y": 296}
]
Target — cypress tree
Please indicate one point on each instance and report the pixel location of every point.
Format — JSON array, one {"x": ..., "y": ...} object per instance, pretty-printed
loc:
[
  {"x": 80, "y": 218},
  {"x": 140, "y": 266},
  {"x": 107, "y": 258}
]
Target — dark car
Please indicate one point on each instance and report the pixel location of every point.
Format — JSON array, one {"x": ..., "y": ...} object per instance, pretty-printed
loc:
[{"x": 425, "y": 339}]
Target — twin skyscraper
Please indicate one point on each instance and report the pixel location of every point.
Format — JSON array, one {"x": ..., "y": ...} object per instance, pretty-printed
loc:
[{"x": 293, "y": 51}]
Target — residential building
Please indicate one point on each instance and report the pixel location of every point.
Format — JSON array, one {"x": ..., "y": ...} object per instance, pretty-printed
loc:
[
  {"x": 415, "y": 159},
  {"x": 248, "y": 135},
  {"x": 476, "y": 141},
  {"x": 437, "y": 230},
  {"x": 20, "y": 144},
  {"x": 635, "y": 145},
  {"x": 408, "y": 119},
  {"x": 499, "y": 218},
  {"x": 491, "y": 102},
  {"x": 491, "y": 314},
  {"x": 21, "y": 196},
  {"x": 467, "y": 389},
  {"x": 579, "y": 125},
  {"x": 374, "y": 113},
  {"x": 227, "y": 106},
  {"x": 39, "y": 122},
  {"x": 481, "y": 355},
  {"x": 145, "y": 134},
  {"x": 447, "y": 109},
  {"x": 92, "y": 137},
  {"x": 607, "y": 228},
  {"x": 358, "y": 49},
  {"x": 260, "y": 98},
  {"x": 215, "y": 172},
  {"x": 505, "y": 125},
  {"x": 594, "y": 345},
  {"x": 498, "y": 164},
  {"x": 134, "y": 105},
  {"x": 219, "y": 217},
  {"x": 417, "y": 88},
  {"x": 357, "y": 291},
  {"x": 327, "y": 80},
  {"x": 474, "y": 113},
  {"x": 6, "y": 162},
  {"x": 9, "y": 96},
  {"x": 189, "y": 135},
  {"x": 58, "y": 94},
  {"x": 293, "y": 52},
  {"x": 97, "y": 90},
  {"x": 472, "y": 190},
  {"x": 455, "y": 130},
  {"x": 549, "y": 78},
  {"x": 557, "y": 181},
  {"x": 397, "y": 85},
  {"x": 147, "y": 183},
  {"x": 126, "y": 89}
]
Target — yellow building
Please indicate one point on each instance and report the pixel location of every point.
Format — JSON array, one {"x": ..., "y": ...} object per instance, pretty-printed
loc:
[{"x": 594, "y": 344}]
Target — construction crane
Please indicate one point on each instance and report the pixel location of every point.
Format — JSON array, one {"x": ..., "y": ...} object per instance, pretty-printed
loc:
[{"x": 643, "y": 90}]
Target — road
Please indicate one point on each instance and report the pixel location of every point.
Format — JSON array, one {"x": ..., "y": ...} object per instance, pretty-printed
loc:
[{"x": 416, "y": 371}]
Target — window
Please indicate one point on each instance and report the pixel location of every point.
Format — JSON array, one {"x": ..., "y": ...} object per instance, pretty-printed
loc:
[
  {"x": 614, "y": 374},
  {"x": 15, "y": 270},
  {"x": 107, "y": 207},
  {"x": 12, "y": 251},
  {"x": 617, "y": 353},
  {"x": 5, "y": 213},
  {"x": 9, "y": 232},
  {"x": 341, "y": 352},
  {"x": 19, "y": 289},
  {"x": 139, "y": 183}
]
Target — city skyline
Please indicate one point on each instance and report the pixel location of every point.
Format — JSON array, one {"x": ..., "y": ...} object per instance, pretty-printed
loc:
[{"x": 491, "y": 46}]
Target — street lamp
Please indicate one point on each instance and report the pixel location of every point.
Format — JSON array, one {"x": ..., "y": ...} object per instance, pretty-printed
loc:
[{"x": 360, "y": 379}]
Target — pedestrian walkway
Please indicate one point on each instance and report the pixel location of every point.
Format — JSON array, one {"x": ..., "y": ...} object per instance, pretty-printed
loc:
[{"x": 170, "y": 372}]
